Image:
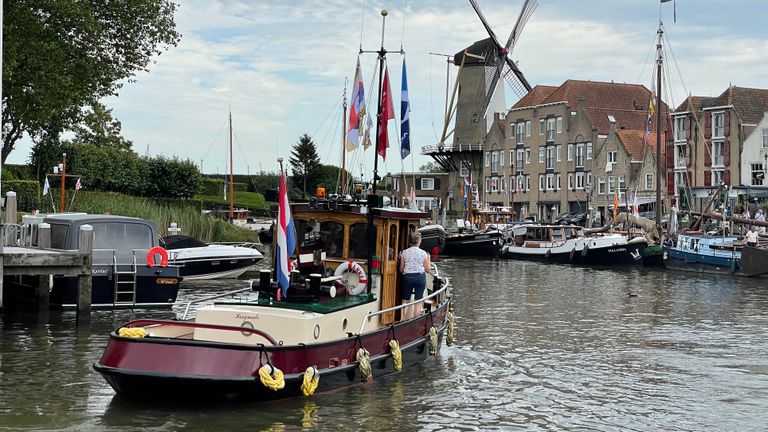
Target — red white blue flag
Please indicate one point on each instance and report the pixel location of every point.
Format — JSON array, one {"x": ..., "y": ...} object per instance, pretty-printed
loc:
[
  {"x": 286, "y": 238},
  {"x": 387, "y": 111},
  {"x": 356, "y": 111},
  {"x": 405, "y": 115}
]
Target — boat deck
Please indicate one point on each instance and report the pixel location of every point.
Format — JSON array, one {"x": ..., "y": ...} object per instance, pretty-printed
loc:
[{"x": 323, "y": 306}]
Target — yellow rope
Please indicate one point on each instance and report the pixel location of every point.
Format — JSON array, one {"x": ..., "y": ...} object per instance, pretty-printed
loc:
[
  {"x": 274, "y": 380},
  {"x": 132, "y": 332},
  {"x": 397, "y": 355},
  {"x": 364, "y": 359},
  {"x": 432, "y": 341},
  {"x": 311, "y": 380},
  {"x": 451, "y": 329}
]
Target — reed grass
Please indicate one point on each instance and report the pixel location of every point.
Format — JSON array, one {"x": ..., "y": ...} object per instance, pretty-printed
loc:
[{"x": 186, "y": 213}]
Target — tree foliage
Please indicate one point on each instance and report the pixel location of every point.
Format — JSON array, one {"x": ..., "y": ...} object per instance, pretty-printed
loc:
[
  {"x": 431, "y": 167},
  {"x": 304, "y": 162},
  {"x": 100, "y": 129},
  {"x": 59, "y": 56}
]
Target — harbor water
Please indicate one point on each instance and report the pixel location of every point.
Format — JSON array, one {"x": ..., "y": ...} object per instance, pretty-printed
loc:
[{"x": 539, "y": 347}]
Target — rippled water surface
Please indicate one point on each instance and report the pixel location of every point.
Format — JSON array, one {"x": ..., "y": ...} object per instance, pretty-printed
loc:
[{"x": 540, "y": 347}]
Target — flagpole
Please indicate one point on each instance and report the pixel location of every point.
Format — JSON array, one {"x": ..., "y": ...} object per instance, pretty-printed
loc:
[
  {"x": 63, "y": 179},
  {"x": 658, "y": 127},
  {"x": 344, "y": 141},
  {"x": 382, "y": 56}
]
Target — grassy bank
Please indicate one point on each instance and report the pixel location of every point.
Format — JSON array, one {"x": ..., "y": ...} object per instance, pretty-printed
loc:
[
  {"x": 186, "y": 213},
  {"x": 251, "y": 200}
]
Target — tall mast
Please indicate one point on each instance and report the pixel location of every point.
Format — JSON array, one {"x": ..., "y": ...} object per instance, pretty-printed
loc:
[
  {"x": 382, "y": 56},
  {"x": 344, "y": 142},
  {"x": 63, "y": 179},
  {"x": 231, "y": 175},
  {"x": 660, "y": 32}
]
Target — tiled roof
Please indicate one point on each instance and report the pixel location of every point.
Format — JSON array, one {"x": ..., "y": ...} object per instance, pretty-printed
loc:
[
  {"x": 536, "y": 96},
  {"x": 634, "y": 142},
  {"x": 691, "y": 104},
  {"x": 627, "y": 103},
  {"x": 749, "y": 103}
]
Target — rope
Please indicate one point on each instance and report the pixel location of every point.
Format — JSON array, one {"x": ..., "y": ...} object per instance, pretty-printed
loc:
[
  {"x": 451, "y": 329},
  {"x": 364, "y": 359},
  {"x": 271, "y": 377},
  {"x": 432, "y": 341},
  {"x": 310, "y": 382},
  {"x": 397, "y": 355},
  {"x": 137, "y": 332}
]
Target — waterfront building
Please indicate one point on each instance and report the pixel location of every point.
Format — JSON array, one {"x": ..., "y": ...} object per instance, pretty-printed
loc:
[{"x": 430, "y": 189}]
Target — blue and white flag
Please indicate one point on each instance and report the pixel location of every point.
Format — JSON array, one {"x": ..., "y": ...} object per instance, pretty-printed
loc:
[
  {"x": 405, "y": 114},
  {"x": 286, "y": 238},
  {"x": 46, "y": 186}
]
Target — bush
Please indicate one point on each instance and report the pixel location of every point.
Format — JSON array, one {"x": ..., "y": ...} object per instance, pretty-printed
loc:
[{"x": 27, "y": 193}]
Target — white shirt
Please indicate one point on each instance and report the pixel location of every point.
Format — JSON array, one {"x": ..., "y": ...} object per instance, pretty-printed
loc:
[
  {"x": 752, "y": 237},
  {"x": 413, "y": 258}
]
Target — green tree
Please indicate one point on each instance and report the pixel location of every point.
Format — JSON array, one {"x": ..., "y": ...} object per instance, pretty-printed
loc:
[
  {"x": 431, "y": 167},
  {"x": 59, "y": 56},
  {"x": 100, "y": 129},
  {"x": 304, "y": 161}
]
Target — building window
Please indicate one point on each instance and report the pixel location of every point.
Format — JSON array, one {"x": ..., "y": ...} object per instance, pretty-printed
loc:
[
  {"x": 579, "y": 180},
  {"x": 541, "y": 127},
  {"x": 527, "y": 128},
  {"x": 611, "y": 184},
  {"x": 494, "y": 184},
  {"x": 680, "y": 132},
  {"x": 559, "y": 125},
  {"x": 502, "y": 185},
  {"x": 681, "y": 155},
  {"x": 679, "y": 181},
  {"x": 621, "y": 184},
  {"x": 550, "y": 157},
  {"x": 541, "y": 154},
  {"x": 551, "y": 129},
  {"x": 613, "y": 156},
  {"x": 717, "y": 177},
  {"x": 487, "y": 183},
  {"x": 559, "y": 150},
  {"x": 570, "y": 152},
  {"x": 649, "y": 182},
  {"x": 487, "y": 158},
  {"x": 589, "y": 151},
  {"x": 427, "y": 183},
  {"x": 527, "y": 182},
  {"x": 765, "y": 137},
  {"x": 520, "y": 159},
  {"x": 512, "y": 157},
  {"x": 520, "y": 135},
  {"x": 558, "y": 182},
  {"x": 425, "y": 204},
  {"x": 527, "y": 156},
  {"x": 550, "y": 182},
  {"x": 501, "y": 157},
  {"x": 589, "y": 179},
  {"x": 520, "y": 183},
  {"x": 464, "y": 170},
  {"x": 570, "y": 181},
  {"x": 717, "y": 154},
  {"x": 541, "y": 182},
  {"x": 601, "y": 185},
  {"x": 758, "y": 175},
  {"x": 580, "y": 155},
  {"x": 718, "y": 125},
  {"x": 495, "y": 161}
]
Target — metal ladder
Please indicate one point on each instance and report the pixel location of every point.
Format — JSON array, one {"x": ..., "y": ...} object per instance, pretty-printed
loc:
[{"x": 124, "y": 282}]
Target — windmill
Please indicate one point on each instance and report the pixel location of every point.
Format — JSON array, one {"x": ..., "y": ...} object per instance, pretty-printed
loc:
[{"x": 497, "y": 61}]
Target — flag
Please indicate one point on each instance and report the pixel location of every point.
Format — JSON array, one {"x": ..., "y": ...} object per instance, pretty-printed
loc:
[
  {"x": 78, "y": 185},
  {"x": 356, "y": 110},
  {"x": 635, "y": 206},
  {"x": 225, "y": 189},
  {"x": 286, "y": 238},
  {"x": 46, "y": 186},
  {"x": 615, "y": 205},
  {"x": 651, "y": 111},
  {"x": 367, "y": 134},
  {"x": 405, "y": 113},
  {"x": 413, "y": 199},
  {"x": 387, "y": 111}
]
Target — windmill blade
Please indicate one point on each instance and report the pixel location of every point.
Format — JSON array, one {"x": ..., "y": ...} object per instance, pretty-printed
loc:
[
  {"x": 525, "y": 14},
  {"x": 485, "y": 23}
]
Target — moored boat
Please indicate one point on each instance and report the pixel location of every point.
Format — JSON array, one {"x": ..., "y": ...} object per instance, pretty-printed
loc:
[
  {"x": 704, "y": 253},
  {"x": 477, "y": 243},
  {"x": 199, "y": 260},
  {"x": 433, "y": 236},
  {"x": 261, "y": 345}
]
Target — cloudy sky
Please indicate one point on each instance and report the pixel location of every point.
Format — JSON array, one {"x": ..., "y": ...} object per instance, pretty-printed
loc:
[{"x": 281, "y": 66}]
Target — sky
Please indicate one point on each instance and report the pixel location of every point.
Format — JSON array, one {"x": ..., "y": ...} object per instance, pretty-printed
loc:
[{"x": 281, "y": 67}]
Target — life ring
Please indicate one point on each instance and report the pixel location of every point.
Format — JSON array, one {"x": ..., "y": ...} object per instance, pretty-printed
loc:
[
  {"x": 353, "y": 267},
  {"x": 163, "y": 256}
]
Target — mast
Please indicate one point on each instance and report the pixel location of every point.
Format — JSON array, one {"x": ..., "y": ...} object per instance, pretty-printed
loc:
[
  {"x": 231, "y": 176},
  {"x": 382, "y": 56},
  {"x": 660, "y": 32},
  {"x": 63, "y": 179},
  {"x": 344, "y": 142}
]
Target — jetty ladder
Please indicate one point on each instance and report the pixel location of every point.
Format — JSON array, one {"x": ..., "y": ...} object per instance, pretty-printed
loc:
[{"x": 124, "y": 278}]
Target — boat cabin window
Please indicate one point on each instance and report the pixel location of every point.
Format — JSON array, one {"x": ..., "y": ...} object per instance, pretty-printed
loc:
[
  {"x": 121, "y": 235},
  {"x": 59, "y": 236},
  {"x": 392, "y": 241},
  {"x": 332, "y": 236},
  {"x": 358, "y": 241},
  {"x": 558, "y": 234},
  {"x": 308, "y": 233},
  {"x": 538, "y": 234}
]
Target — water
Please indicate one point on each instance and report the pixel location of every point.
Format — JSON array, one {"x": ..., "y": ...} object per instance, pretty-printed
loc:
[{"x": 540, "y": 347}]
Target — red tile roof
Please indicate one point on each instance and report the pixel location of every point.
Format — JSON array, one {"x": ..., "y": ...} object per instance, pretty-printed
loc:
[
  {"x": 627, "y": 103},
  {"x": 536, "y": 96},
  {"x": 749, "y": 103},
  {"x": 634, "y": 142}
]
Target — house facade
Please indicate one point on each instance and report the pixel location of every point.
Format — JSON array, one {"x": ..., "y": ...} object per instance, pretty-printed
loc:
[
  {"x": 754, "y": 156},
  {"x": 430, "y": 190}
]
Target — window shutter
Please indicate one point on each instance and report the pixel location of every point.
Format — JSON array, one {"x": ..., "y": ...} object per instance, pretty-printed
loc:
[
  {"x": 437, "y": 183},
  {"x": 707, "y": 178},
  {"x": 727, "y": 124},
  {"x": 708, "y": 125},
  {"x": 688, "y": 128},
  {"x": 689, "y": 179},
  {"x": 670, "y": 184},
  {"x": 670, "y": 155},
  {"x": 727, "y": 177},
  {"x": 726, "y": 150},
  {"x": 708, "y": 156},
  {"x": 689, "y": 162}
]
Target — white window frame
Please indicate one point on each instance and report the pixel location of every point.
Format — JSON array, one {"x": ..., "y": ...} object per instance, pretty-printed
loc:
[
  {"x": 527, "y": 156},
  {"x": 541, "y": 154},
  {"x": 718, "y": 159},
  {"x": 542, "y": 127},
  {"x": 718, "y": 131},
  {"x": 559, "y": 124},
  {"x": 570, "y": 152},
  {"x": 570, "y": 181},
  {"x": 520, "y": 183},
  {"x": 541, "y": 182},
  {"x": 527, "y": 182},
  {"x": 551, "y": 129},
  {"x": 487, "y": 159},
  {"x": 649, "y": 185},
  {"x": 487, "y": 183},
  {"x": 579, "y": 177},
  {"x": 494, "y": 184},
  {"x": 527, "y": 128},
  {"x": 601, "y": 185},
  {"x": 520, "y": 133},
  {"x": 501, "y": 157},
  {"x": 520, "y": 158},
  {"x": 622, "y": 184},
  {"x": 679, "y": 181},
  {"x": 494, "y": 161},
  {"x": 559, "y": 150},
  {"x": 559, "y": 182},
  {"x": 613, "y": 156},
  {"x": 502, "y": 186},
  {"x": 756, "y": 170},
  {"x": 464, "y": 170},
  {"x": 427, "y": 183},
  {"x": 550, "y": 182},
  {"x": 550, "y": 157},
  {"x": 717, "y": 177},
  {"x": 611, "y": 185},
  {"x": 681, "y": 154},
  {"x": 589, "y": 150},
  {"x": 680, "y": 131},
  {"x": 589, "y": 179},
  {"x": 765, "y": 137},
  {"x": 425, "y": 203},
  {"x": 580, "y": 155}
]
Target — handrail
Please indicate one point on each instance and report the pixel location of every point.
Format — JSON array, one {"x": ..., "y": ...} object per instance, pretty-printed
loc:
[
  {"x": 147, "y": 322},
  {"x": 370, "y": 315},
  {"x": 213, "y": 297}
]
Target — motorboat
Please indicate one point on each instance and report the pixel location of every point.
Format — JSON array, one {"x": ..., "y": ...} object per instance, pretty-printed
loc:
[
  {"x": 433, "y": 238},
  {"x": 199, "y": 260},
  {"x": 340, "y": 322},
  {"x": 706, "y": 253}
]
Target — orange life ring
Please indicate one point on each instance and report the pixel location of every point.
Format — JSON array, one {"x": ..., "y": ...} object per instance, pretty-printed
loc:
[{"x": 163, "y": 256}]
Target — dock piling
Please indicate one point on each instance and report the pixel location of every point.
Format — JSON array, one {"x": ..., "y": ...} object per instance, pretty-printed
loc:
[
  {"x": 44, "y": 235},
  {"x": 84, "y": 280}
]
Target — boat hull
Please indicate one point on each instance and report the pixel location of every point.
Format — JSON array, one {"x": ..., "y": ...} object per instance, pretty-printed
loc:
[
  {"x": 754, "y": 261},
  {"x": 482, "y": 244},
  {"x": 700, "y": 263},
  {"x": 174, "y": 370},
  {"x": 214, "y": 268}
]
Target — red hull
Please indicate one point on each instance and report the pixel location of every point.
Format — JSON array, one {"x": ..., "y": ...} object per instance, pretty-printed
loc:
[{"x": 152, "y": 368}]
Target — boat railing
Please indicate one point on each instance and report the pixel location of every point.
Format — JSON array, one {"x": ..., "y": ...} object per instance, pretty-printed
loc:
[
  {"x": 214, "y": 297},
  {"x": 443, "y": 290},
  {"x": 148, "y": 323},
  {"x": 250, "y": 245}
]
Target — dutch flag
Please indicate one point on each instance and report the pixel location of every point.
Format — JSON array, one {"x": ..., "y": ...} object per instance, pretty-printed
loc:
[{"x": 286, "y": 238}]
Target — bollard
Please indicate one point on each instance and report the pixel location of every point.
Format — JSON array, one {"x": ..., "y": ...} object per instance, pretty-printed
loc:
[
  {"x": 265, "y": 281},
  {"x": 44, "y": 235},
  {"x": 85, "y": 279},
  {"x": 314, "y": 285},
  {"x": 9, "y": 218}
]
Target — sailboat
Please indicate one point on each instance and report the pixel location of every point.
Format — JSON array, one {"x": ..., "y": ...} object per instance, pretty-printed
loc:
[{"x": 301, "y": 331}]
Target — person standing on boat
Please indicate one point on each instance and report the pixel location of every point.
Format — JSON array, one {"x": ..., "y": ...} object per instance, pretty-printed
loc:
[
  {"x": 760, "y": 216},
  {"x": 414, "y": 265},
  {"x": 752, "y": 237}
]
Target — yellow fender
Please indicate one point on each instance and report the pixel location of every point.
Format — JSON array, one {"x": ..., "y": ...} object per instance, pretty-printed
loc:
[
  {"x": 132, "y": 332},
  {"x": 271, "y": 377},
  {"x": 310, "y": 382}
]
